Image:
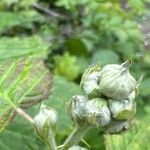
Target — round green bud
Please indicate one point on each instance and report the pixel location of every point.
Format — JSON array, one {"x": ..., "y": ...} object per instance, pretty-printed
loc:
[
  {"x": 116, "y": 81},
  {"x": 123, "y": 109},
  {"x": 90, "y": 82},
  {"x": 76, "y": 109},
  {"x": 116, "y": 127},
  {"x": 45, "y": 121},
  {"x": 97, "y": 112}
]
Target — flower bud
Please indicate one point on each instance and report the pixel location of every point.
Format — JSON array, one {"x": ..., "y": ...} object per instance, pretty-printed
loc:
[
  {"x": 90, "y": 82},
  {"x": 123, "y": 109},
  {"x": 116, "y": 127},
  {"x": 116, "y": 81},
  {"x": 45, "y": 121},
  {"x": 76, "y": 109},
  {"x": 77, "y": 148},
  {"x": 97, "y": 112}
]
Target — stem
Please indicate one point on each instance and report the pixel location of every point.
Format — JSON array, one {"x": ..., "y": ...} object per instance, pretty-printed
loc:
[
  {"x": 75, "y": 136},
  {"x": 51, "y": 140},
  {"x": 47, "y": 11},
  {"x": 60, "y": 147},
  {"x": 25, "y": 115}
]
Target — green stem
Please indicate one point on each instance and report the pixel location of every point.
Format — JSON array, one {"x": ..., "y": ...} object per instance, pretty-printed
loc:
[
  {"x": 51, "y": 138},
  {"x": 25, "y": 115},
  {"x": 51, "y": 143},
  {"x": 75, "y": 137}
]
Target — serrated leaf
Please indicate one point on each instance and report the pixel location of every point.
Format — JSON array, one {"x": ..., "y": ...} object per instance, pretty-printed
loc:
[
  {"x": 135, "y": 139},
  {"x": 20, "y": 135},
  {"x": 21, "y": 18},
  {"x": 25, "y": 46},
  {"x": 22, "y": 83}
]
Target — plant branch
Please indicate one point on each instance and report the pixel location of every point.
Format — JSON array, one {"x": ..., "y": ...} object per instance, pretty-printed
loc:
[
  {"x": 75, "y": 137},
  {"x": 47, "y": 11},
  {"x": 25, "y": 115}
]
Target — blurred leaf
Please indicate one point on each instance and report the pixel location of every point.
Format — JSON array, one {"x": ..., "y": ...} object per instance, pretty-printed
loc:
[
  {"x": 25, "y": 46},
  {"x": 127, "y": 50},
  {"x": 69, "y": 4},
  {"x": 137, "y": 4},
  {"x": 145, "y": 87},
  {"x": 63, "y": 90},
  {"x": 135, "y": 139},
  {"x": 76, "y": 47},
  {"x": 23, "y": 83},
  {"x": 95, "y": 139},
  {"x": 6, "y": 3},
  {"x": 105, "y": 57},
  {"x": 66, "y": 66},
  {"x": 21, "y": 18},
  {"x": 147, "y": 58},
  {"x": 26, "y": 3},
  {"x": 121, "y": 35},
  {"x": 82, "y": 63}
]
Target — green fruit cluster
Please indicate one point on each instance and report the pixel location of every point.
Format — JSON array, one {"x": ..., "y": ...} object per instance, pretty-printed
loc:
[{"x": 109, "y": 100}]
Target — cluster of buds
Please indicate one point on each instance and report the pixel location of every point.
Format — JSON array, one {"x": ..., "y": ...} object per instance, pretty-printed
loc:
[{"x": 109, "y": 100}]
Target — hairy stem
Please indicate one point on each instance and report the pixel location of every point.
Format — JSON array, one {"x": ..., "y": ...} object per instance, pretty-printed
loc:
[
  {"x": 25, "y": 115},
  {"x": 75, "y": 137},
  {"x": 51, "y": 140}
]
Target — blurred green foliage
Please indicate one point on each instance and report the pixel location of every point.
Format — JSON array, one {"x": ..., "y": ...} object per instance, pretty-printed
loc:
[
  {"x": 131, "y": 140},
  {"x": 71, "y": 35},
  {"x": 66, "y": 66}
]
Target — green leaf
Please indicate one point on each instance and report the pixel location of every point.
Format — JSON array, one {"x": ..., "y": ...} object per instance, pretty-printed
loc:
[
  {"x": 82, "y": 63},
  {"x": 25, "y": 46},
  {"x": 127, "y": 50},
  {"x": 94, "y": 138},
  {"x": 6, "y": 3},
  {"x": 76, "y": 47},
  {"x": 21, "y": 18},
  {"x": 22, "y": 83},
  {"x": 62, "y": 92},
  {"x": 145, "y": 87},
  {"x": 105, "y": 57},
  {"x": 135, "y": 139},
  {"x": 20, "y": 135},
  {"x": 26, "y": 3}
]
